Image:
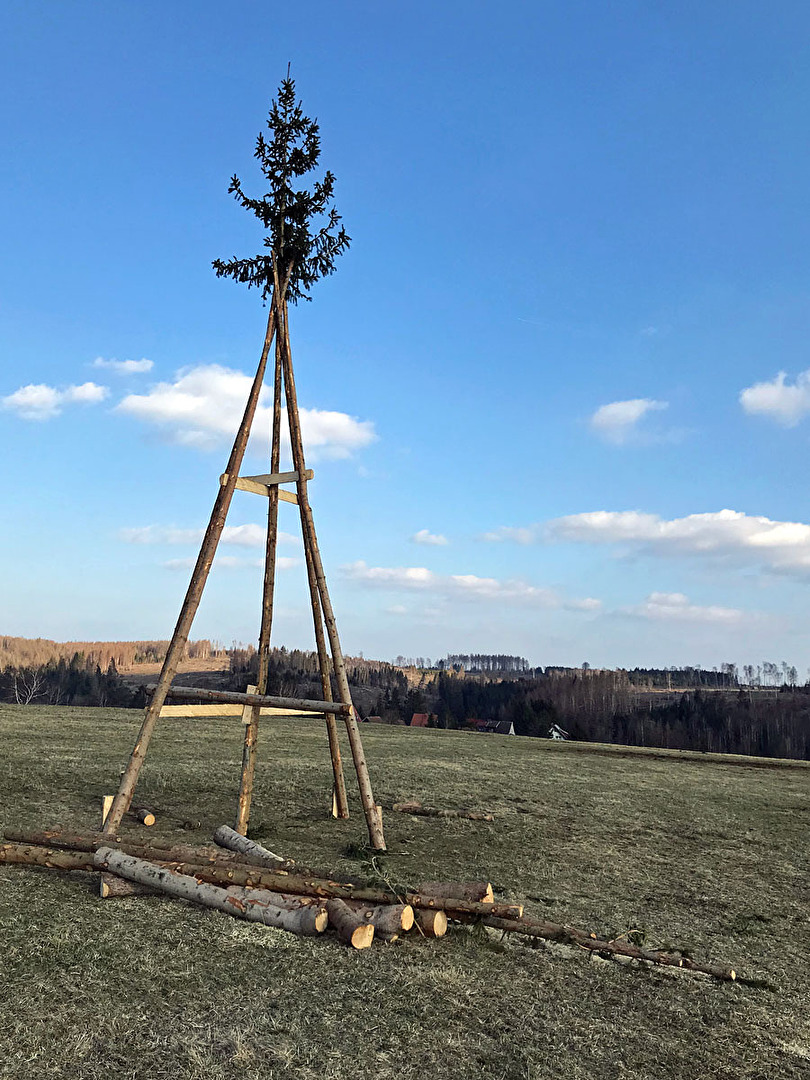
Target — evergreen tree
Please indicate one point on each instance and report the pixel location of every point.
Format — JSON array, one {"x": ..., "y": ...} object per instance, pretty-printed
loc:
[{"x": 303, "y": 236}]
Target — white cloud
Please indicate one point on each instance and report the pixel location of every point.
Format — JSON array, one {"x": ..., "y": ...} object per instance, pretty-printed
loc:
[
  {"x": 526, "y": 535},
  {"x": 616, "y": 422},
  {"x": 675, "y": 607},
  {"x": 202, "y": 408},
  {"x": 460, "y": 586},
  {"x": 783, "y": 546},
  {"x": 230, "y": 562},
  {"x": 36, "y": 401},
  {"x": 249, "y": 535},
  {"x": 124, "y": 367},
  {"x": 432, "y": 539},
  {"x": 784, "y": 403}
]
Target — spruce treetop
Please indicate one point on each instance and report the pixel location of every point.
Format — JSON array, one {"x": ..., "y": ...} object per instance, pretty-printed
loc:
[{"x": 302, "y": 227}]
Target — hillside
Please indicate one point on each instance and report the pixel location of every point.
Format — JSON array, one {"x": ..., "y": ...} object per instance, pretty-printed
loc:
[{"x": 693, "y": 853}]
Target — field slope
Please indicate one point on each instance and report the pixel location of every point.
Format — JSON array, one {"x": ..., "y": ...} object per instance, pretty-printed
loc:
[{"x": 695, "y": 854}]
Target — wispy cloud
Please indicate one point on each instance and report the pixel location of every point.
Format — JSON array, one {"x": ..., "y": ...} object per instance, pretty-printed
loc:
[
  {"x": 429, "y": 538},
  {"x": 675, "y": 607},
  {"x": 783, "y": 546},
  {"x": 248, "y": 535},
  {"x": 124, "y": 367},
  {"x": 618, "y": 421},
  {"x": 230, "y": 562},
  {"x": 203, "y": 407},
  {"x": 461, "y": 586},
  {"x": 779, "y": 400},
  {"x": 37, "y": 401}
]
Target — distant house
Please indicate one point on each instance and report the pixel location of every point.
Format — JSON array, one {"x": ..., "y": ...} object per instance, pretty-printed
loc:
[
  {"x": 420, "y": 719},
  {"x": 556, "y": 732},
  {"x": 374, "y": 720},
  {"x": 494, "y": 727}
]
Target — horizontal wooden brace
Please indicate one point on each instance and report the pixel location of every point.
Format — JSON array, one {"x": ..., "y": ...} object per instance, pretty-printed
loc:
[
  {"x": 262, "y": 485},
  {"x": 230, "y": 697},
  {"x": 222, "y": 710},
  {"x": 279, "y": 477}
]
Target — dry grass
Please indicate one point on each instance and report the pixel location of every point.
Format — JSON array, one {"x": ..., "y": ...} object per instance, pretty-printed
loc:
[{"x": 702, "y": 856}]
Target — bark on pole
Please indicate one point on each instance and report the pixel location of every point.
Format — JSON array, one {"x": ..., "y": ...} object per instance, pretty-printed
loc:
[
  {"x": 252, "y": 728},
  {"x": 303, "y": 920},
  {"x": 340, "y": 802},
  {"x": 340, "y": 799},
  {"x": 311, "y": 541},
  {"x": 213, "y": 532}
]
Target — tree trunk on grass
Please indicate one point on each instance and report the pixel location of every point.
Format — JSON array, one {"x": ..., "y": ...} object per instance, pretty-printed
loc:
[
  {"x": 146, "y": 817},
  {"x": 569, "y": 935},
  {"x": 31, "y": 855},
  {"x": 153, "y": 849},
  {"x": 230, "y": 839},
  {"x": 352, "y": 926},
  {"x": 304, "y": 920}
]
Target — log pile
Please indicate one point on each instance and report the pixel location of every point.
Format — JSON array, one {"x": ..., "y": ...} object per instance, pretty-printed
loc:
[{"x": 247, "y": 881}]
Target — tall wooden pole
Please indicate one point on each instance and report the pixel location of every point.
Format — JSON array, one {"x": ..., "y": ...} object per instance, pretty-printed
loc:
[
  {"x": 191, "y": 602},
  {"x": 310, "y": 539},
  {"x": 252, "y": 727},
  {"x": 341, "y": 801}
]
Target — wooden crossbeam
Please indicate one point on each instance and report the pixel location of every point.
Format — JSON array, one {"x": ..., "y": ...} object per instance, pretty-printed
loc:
[
  {"x": 191, "y": 711},
  {"x": 261, "y": 485},
  {"x": 231, "y": 697}
]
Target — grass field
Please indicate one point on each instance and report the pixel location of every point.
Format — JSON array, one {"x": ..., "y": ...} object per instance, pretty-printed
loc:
[{"x": 694, "y": 853}]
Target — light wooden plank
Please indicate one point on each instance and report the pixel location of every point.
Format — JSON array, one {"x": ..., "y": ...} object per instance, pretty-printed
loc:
[
  {"x": 249, "y": 484},
  {"x": 270, "y": 701},
  {"x": 247, "y": 710},
  {"x": 191, "y": 711},
  {"x": 278, "y": 478}
]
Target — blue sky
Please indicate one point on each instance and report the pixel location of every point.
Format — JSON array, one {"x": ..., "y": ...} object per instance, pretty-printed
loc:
[{"x": 557, "y": 393}]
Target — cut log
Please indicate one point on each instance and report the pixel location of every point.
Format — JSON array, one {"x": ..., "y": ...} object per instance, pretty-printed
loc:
[
  {"x": 388, "y": 920},
  {"x": 35, "y": 855},
  {"x": 352, "y": 926},
  {"x": 146, "y": 817},
  {"x": 569, "y": 935},
  {"x": 414, "y": 807},
  {"x": 106, "y": 803},
  {"x": 460, "y": 890},
  {"x": 304, "y": 920},
  {"x": 110, "y": 886},
  {"x": 153, "y": 849},
  {"x": 233, "y": 841},
  {"x": 302, "y": 884},
  {"x": 431, "y": 923}
]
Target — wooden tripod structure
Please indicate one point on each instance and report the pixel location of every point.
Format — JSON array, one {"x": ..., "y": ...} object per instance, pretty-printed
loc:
[{"x": 268, "y": 485}]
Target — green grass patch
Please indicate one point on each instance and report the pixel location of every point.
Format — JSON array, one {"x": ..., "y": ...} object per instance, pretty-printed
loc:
[{"x": 703, "y": 856}]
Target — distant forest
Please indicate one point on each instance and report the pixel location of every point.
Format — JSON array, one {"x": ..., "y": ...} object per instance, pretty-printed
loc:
[{"x": 759, "y": 710}]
